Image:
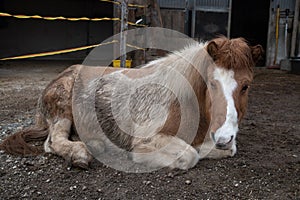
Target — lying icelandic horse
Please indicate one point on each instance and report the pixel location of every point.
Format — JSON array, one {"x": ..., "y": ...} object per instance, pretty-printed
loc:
[{"x": 221, "y": 91}]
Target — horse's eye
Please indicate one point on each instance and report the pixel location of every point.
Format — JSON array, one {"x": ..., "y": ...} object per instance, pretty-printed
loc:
[
  {"x": 244, "y": 88},
  {"x": 213, "y": 85}
]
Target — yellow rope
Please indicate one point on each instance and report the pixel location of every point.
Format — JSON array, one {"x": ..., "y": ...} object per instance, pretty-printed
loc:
[
  {"x": 133, "y": 46},
  {"x": 71, "y": 19},
  {"x": 65, "y": 18},
  {"x": 134, "y": 24},
  {"x": 110, "y": 1},
  {"x": 65, "y": 51},
  {"x": 58, "y": 52},
  {"x": 57, "y": 18}
]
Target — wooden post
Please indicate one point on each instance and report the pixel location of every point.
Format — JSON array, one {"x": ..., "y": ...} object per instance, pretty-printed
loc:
[
  {"x": 155, "y": 16},
  {"x": 186, "y": 17},
  {"x": 295, "y": 29},
  {"x": 229, "y": 19},
  {"x": 124, "y": 28},
  {"x": 193, "y": 19}
]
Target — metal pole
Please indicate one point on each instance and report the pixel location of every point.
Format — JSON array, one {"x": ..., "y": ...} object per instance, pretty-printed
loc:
[
  {"x": 193, "y": 19},
  {"x": 286, "y": 26},
  {"x": 295, "y": 29},
  {"x": 229, "y": 18},
  {"x": 186, "y": 17},
  {"x": 124, "y": 28}
]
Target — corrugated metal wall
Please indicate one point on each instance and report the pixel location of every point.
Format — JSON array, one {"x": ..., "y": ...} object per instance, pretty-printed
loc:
[
  {"x": 172, "y": 4},
  {"x": 284, "y": 4},
  {"x": 219, "y": 4},
  {"x": 205, "y": 19},
  {"x": 180, "y": 4}
]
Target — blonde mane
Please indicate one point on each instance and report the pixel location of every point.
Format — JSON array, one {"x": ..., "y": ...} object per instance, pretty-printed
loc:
[{"x": 188, "y": 64}]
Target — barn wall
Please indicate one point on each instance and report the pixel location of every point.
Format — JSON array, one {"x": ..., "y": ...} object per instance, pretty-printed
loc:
[
  {"x": 26, "y": 36},
  {"x": 200, "y": 19},
  {"x": 173, "y": 19},
  {"x": 283, "y": 51}
]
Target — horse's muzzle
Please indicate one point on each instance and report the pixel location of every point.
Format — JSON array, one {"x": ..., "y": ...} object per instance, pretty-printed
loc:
[{"x": 223, "y": 143}]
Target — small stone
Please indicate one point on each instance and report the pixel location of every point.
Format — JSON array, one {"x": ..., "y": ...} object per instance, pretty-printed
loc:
[
  {"x": 73, "y": 187},
  {"x": 236, "y": 185},
  {"x": 146, "y": 182},
  {"x": 48, "y": 180},
  {"x": 188, "y": 182},
  {"x": 26, "y": 188},
  {"x": 25, "y": 195},
  {"x": 170, "y": 174},
  {"x": 84, "y": 188}
]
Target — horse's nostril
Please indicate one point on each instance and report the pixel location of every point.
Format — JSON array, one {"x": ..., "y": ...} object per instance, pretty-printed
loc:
[
  {"x": 212, "y": 134},
  {"x": 220, "y": 145},
  {"x": 224, "y": 143}
]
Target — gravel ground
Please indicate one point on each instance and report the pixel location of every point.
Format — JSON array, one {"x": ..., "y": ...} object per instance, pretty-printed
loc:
[{"x": 267, "y": 165}]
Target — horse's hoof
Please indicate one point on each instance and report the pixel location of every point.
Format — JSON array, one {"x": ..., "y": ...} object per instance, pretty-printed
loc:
[
  {"x": 81, "y": 164},
  {"x": 188, "y": 159}
]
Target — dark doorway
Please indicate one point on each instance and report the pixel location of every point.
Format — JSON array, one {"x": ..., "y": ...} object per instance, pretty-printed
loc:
[
  {"x": 28, "y": 36},
  {"x": 250, "y": 20}
]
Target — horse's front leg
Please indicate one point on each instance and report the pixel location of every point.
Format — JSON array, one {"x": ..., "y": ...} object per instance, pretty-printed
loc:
[
  {"x": 164, "y": 151},
  {"x": 58, "y": 142}
]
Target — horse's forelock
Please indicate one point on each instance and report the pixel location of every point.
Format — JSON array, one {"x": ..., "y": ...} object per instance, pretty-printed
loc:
[{"x": 234, "y": 54}]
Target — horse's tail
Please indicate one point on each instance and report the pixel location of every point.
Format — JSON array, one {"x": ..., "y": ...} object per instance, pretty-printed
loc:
[{"x": 19, "y": 142}]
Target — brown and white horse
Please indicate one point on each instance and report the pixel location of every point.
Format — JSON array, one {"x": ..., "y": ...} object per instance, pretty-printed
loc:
[{"x": 168, "y": 107}]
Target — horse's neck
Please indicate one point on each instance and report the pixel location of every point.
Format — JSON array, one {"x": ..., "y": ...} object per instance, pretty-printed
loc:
[
  {"x": 192, "y": 64},
  {"x": 183, "y": 71}
]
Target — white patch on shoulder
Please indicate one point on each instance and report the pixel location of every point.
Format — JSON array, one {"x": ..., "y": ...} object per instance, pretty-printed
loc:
[{"x": 230, "y": 127}]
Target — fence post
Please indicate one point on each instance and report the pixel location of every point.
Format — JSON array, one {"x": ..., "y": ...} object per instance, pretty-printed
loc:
[{"x": 124, "y": 28}]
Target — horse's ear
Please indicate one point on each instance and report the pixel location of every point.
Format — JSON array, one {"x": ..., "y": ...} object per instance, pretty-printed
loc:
[
  {"x": 257, "y": 53},
  {"x": 212, "y": 49}
]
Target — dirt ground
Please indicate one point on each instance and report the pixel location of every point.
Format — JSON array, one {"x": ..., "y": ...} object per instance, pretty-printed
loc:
[{"x": 267, "y": 165}]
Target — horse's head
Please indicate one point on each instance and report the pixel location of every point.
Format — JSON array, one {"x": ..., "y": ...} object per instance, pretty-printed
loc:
[{"x": 228, "y": 82}]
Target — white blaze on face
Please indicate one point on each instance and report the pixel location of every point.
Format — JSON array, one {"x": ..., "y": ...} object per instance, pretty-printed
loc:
[{"x": 229, "y": 129}]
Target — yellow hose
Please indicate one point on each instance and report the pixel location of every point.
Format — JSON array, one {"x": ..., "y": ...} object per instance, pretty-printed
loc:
[{"x": 277, "y": 33}]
